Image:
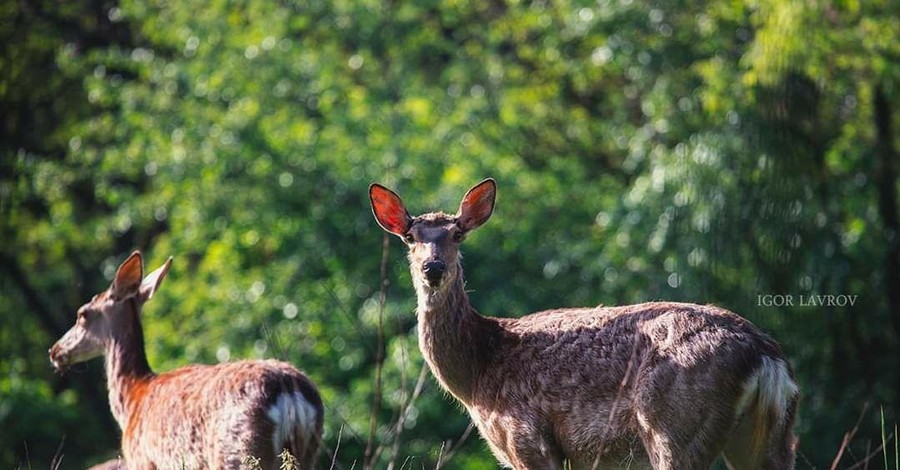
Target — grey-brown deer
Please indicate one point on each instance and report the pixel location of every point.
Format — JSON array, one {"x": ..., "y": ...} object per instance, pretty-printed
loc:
[
  {"x": 657, "y": 385},
  {"x": 198, "y": 416}
]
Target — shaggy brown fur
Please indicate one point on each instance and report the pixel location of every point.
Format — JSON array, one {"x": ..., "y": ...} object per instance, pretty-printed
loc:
[
  {"x": 657, "y": 385},
  {"x": 195, "y": 417}
]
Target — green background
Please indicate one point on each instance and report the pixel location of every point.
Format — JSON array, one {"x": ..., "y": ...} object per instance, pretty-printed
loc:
[{"x": 708, "y": 152}]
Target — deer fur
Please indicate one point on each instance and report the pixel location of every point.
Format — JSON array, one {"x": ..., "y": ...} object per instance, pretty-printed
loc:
[
  {"x": 114, "y": 464},
  {"x": 198, "y": 416},
  {"x": 658, "y": 385}
]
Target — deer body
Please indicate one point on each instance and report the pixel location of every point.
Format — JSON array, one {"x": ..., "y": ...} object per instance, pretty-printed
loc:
[
  {"x": 198, "y": 416},
  {"x": 656, "y": 385},
  {"x": 217, "y": 416}
]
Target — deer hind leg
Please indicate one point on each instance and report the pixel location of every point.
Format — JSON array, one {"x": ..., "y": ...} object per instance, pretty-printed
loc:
[
  {"x": 763, "y": 438},
  {"x": 775, "y": 452},
  {"x": 664, "y": 455},
  {"x": 306, "y": 450},
  {"x": 674, "y": 445}
]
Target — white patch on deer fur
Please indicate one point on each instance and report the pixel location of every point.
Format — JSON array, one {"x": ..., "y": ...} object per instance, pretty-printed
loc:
[
  {"x": 773, "y": 384},
  {"x": 291, "y": 412},
  {"x": 643, "y": 421}
]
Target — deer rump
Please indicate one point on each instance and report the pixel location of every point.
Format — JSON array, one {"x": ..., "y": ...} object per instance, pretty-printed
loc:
[
  {"x": 596, "y": 386},
  {"x": 212, "y": 416}
]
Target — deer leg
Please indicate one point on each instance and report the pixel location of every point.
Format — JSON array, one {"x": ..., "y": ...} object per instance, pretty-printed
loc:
[
  {"x": 682, "y": 446},
  {"x": 308, "y": 452},
  {"x": 532, "y": 451},
  {"x": 532, "y": 462},
  {"x": 779, "y": 447},
  {"x": 665, "y": 456}
]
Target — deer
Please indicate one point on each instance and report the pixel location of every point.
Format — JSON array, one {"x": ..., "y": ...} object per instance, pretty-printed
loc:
[
  {"x": 194, "y": 417},
  {"x": 659, "y": 385}
]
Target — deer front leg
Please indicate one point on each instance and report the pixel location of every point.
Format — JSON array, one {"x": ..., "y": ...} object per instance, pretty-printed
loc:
[
  {"x": 532, "y": 450},
  {"x": 516, "y": 442},
  {"x": 538, "y": 462}
]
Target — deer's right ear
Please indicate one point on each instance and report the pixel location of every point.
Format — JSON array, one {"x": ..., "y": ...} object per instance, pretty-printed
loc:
[
  {"x": 128, "y": 277},
  {"x": 153, "y": 280},
  {"x": 389, "y": 210}
]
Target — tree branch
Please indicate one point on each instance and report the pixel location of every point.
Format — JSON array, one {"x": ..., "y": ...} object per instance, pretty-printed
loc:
[{"x": 17, "y": 275}]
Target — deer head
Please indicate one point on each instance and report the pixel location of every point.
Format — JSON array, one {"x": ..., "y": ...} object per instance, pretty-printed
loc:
[
  {"x": 433, "y": 239},
  {"x": 108, "y": 313}
]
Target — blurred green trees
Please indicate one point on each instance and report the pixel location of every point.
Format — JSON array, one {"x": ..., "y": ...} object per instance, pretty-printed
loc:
[{"x": 699, "y": 152}]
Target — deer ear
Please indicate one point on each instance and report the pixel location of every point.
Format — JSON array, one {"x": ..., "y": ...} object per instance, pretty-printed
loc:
[
  {"x": 153, "y": 280},
  {"x": 389, "y": 210},
  {"x": 128, "y": 276},
  {"x": 477, "y": 205}
]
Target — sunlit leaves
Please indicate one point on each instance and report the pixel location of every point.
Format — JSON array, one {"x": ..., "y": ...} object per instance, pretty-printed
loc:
[{"x": 699, "y": 152}]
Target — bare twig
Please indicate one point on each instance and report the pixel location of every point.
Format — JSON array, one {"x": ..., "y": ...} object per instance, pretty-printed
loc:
[
  {"x": 344, "y": 423},
  {"x": 870, "y": 456},
  {"x": 401, "y": 418},
  {"x": 868, "y": 449},
  {"x": 884, "y": 440},
  {"x": 337, "y": 447},
  {"x": 401, "y": 411},
  {"x": 58, "y": 456},
  {"x": 27, "y": 457},
  {"x": 403, "y": 408},
  {"x": 848, "y": 437},
  {"x": 442, "y": 459},
  {"x": 370, "y": 455},
  {"x": 805, "y": 459},
  {"x": 353, "y": 320}
]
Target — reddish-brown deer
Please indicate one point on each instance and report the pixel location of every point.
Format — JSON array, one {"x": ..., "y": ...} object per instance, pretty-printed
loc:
[
  {"x": 657, "y": 385},
  {"x": 198, "y": 416}
]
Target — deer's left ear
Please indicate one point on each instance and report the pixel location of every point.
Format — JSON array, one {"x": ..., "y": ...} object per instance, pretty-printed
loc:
[
  {"x": 128, "y": 276},
  {"x": 477, "y": 205},
  {"x": 153, "y": 280}
]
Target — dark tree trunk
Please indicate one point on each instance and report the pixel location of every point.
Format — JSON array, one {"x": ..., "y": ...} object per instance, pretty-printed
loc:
[
  {"x": 887, "y": 207},
  {"x": 887, "y": 202}
]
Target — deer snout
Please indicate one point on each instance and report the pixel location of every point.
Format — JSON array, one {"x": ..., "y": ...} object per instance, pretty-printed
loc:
[
  {"x": 434, "y": 271},
  {"x": 57, "y": 358}
]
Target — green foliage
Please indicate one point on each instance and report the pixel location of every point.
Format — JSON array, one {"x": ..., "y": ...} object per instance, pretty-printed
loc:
[{"x": 707, "y": 153}]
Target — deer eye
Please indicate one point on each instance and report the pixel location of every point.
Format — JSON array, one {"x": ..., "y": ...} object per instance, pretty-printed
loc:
[
  {"x": 458, "y": 236},
  {"x": 408, "y": 238}
]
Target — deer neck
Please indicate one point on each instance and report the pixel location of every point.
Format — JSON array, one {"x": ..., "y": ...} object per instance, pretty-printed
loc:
[
  {"x": 455, "y": 340},
  {"x": 127, "y": 368}
]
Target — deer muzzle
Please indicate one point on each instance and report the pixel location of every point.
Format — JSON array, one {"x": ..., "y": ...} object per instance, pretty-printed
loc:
[
  {"x": 58, "y": 358},
  {"x": 434, "y": 271}
]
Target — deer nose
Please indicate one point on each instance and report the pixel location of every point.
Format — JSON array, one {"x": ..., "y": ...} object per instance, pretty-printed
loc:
[
  {"x": 434, "y": 270},
  {"x": 56, "y": 358}
]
